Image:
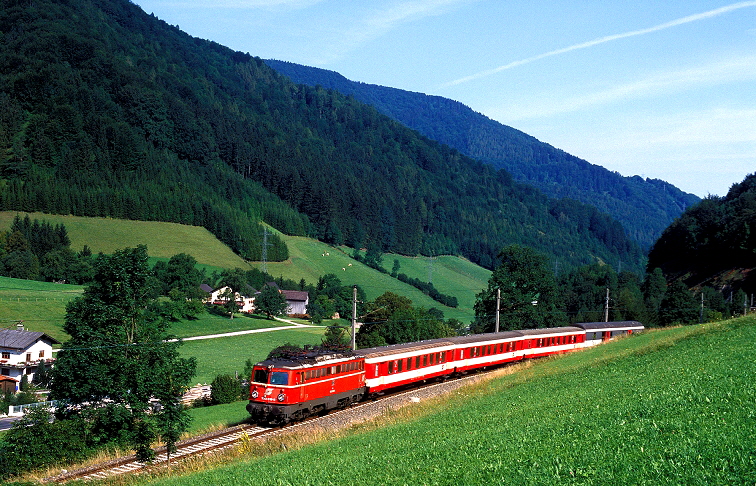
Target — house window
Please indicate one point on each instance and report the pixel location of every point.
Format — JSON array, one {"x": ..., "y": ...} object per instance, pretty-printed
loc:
[
  {"x": 28, "y": 357},
  {"x": 4, "y": 371},
  {"x": 42, "y": 354},
  {"x": 6, "y": 355}
]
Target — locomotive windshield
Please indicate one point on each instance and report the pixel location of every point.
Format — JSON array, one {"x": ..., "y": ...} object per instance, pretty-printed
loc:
[
  {"x": 261, "y": 376},
  {"x": 279, "y": 378}
]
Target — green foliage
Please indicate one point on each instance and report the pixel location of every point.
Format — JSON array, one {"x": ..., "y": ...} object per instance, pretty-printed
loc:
[
  {"x": 713, "y": 237},
  {"x": 225, "y": 389},
  {"x": 118, "y": 353},
  {"x": 678, "y": 306},
  {"x": 271, "y": 302},
  {"x": 392, "y": 319},
  {"x": 35, "y": 441},
  {"x": 529, "y": 296}
]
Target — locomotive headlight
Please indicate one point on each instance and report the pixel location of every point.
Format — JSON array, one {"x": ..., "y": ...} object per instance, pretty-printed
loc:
[
  {"x": 255, "y": 394},
  {"x": 281, "y": 397}
]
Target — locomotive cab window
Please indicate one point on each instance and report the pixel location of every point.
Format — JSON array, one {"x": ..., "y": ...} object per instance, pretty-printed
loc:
[
  {"x": 261, "y": 376},
  {"x": 279, "y": 378}
]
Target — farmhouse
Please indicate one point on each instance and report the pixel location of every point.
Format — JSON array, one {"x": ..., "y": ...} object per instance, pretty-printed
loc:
[
  {"x": 297, "y": 301},
  {"x": 246, "y": 301},
  {"x": 20, "y": 353}
]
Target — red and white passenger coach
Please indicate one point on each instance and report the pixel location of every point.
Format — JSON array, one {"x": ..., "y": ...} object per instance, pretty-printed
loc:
[{"x": 311, "y": 382}]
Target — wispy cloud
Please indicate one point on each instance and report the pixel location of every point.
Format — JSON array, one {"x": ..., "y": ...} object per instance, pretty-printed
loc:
[
  {"x": 722, "y": 72},
  {"x": 379, "y": 22},
  {"x": 602, "y": 40}
]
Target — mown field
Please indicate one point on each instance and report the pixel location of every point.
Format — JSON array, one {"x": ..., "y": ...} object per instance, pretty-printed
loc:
[
  {"x": 163, "y": 240},
  {"x": 673, "y": 406}
]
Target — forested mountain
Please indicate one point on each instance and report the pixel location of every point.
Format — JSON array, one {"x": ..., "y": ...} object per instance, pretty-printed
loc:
[
  {"x": 644, "y": 206},
  {"x": 108, "y": 111},
  {"x": 713, "y": 243}
]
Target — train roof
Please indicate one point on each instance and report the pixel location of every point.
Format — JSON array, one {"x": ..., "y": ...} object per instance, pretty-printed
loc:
[
  {"x": 307, "y": 358},
  {"x": 609, "y": 326},
  {"x": 550, "y": 330},
  {"x": 404, "y": 348},
  {"x": 491, "y": 336}
]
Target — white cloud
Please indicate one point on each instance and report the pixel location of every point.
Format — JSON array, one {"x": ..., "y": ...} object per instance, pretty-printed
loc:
[
  {"x": 715, "y": 74},
  {"x": 378, "y": 22},
  {"x": 605, "y": 39}
]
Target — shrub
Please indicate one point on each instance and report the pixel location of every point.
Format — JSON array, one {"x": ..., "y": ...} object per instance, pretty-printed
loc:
[{"x": 225, "y": 389}]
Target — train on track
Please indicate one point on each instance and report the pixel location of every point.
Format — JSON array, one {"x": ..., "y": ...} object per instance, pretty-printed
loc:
[{"x": 297, "y": 386}]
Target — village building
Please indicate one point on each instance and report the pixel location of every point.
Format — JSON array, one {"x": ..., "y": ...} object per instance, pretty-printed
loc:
[
  {"x": 21, "y": 352},
  {"x": 297, "y": 301},
  {"x": 245, "y": 302}
]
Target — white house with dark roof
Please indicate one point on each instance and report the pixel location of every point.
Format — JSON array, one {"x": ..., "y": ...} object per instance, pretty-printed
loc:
[
  {"x": 297, "y": 300},
  {"x": 20, "y": 354}
]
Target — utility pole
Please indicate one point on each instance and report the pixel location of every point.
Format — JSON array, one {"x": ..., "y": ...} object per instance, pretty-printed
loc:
[
  {"x": 606, "y": 307},
  {"x": 700, "y": 317},
  {"x": 354, "y": 318},
  {"x": 265, "y": 245},
  {"x": 498, "y": 306}
]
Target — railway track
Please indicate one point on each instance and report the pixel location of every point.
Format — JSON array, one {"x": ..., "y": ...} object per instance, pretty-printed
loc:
[{"x": 228, "y": 438}]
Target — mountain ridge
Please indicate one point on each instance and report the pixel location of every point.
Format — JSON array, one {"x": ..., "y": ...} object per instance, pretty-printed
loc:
[
  {"x": 629, "y": 199},
  {"x": 108, "y": 111}
]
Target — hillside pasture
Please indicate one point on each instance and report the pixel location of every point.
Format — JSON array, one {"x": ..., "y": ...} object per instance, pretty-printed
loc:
[
  {"x": 40, "y": 306},
  {"x": 672, "y": 406},
  {"x": 310, "y": 259},
  {"x": 164, "y": 240}
]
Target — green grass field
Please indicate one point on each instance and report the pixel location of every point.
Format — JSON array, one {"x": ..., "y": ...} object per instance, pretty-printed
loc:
[
  {"x": 673, "y": 406},
  {"x": 162, "y": 239},
  {"x": 40, "y": 305},
  {"x": 227, "y": 355},
  {"x": 309, "y": 259}
]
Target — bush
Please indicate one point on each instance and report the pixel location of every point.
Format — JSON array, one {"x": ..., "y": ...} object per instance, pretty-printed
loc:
[{"x": 225, "y": 389}]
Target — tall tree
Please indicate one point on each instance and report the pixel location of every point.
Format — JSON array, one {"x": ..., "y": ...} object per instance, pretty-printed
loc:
[
  {"x": 271, "y": 302},
  {"x": 118, "y": 354},
  {"x": 528, "y": 293}
]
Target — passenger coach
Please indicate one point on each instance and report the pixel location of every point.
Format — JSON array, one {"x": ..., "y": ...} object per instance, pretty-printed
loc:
[{"x": 313, "y": 381}]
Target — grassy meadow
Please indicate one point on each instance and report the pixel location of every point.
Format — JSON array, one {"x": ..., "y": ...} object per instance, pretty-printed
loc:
[
  {"x": 308, "y": 259},
  {"x": 40, "y": 305},
  {"x": 672, "y": 406},
  {"x": 228, "y": 354},
  {"x": 163, "y": 240}
]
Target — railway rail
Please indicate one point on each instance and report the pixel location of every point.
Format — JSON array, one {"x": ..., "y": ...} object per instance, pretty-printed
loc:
[{"x": 227, "y": 438}]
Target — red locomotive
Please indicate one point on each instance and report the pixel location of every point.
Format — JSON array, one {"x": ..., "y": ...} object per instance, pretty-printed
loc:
[{"x": 295, "y": 387}]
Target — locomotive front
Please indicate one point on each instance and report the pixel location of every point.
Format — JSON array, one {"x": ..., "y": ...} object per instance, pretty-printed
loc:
[{"x": 271, "y": 397}]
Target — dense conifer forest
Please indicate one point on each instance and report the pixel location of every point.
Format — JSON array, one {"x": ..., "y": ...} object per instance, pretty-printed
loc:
[
  {"x": 644, "y": 206},
  {"x": 108, "y": 111},
  {"x": 713, "y": 243}
]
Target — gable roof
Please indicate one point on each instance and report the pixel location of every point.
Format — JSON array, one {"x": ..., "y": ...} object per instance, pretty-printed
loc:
[
  {"x": 297, "y": 295},
  {"x": 206, "y": 288},
  {"x": 14, "y": 339}
]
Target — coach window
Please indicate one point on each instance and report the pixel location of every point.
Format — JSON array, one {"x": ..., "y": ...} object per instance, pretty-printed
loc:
[
  {"x": 401, "y": 366},
  {"x": 425, "y": 360},
  {"x": 390, "y": 367},
  {"x": 443, "y": 357},
  {"x": 417, "y": 362},
  {"x": 409, "y": 364}
]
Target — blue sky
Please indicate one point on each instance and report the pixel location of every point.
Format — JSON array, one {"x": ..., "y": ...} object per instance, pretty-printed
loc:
[{"x": 659, "y": 89}]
